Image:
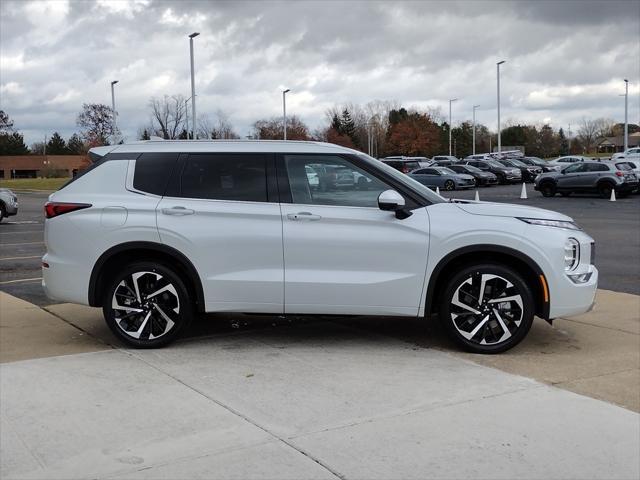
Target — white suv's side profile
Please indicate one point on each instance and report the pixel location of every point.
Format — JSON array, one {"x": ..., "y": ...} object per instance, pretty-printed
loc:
[{"x": 157, "y": 231}]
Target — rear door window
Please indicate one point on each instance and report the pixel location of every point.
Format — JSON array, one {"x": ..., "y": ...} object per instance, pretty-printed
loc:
[{"x": 225, "y": 176}]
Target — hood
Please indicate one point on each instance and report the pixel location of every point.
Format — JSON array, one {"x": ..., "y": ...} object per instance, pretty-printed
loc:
[{"x": 510, "y": 210}]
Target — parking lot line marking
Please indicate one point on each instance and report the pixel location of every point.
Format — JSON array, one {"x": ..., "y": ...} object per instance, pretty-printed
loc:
[
  {"x": 22, "y": 243},
  {"x": 26, "y": 231},
  {"x": 20, "y": 258},
  {"x": 21, "y": 280}
]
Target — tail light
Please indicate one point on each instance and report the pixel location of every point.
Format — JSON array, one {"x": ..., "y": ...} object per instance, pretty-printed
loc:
[
  {"x": 619, "y": 174},
  {"x": 53, "y": 209},
  {"x": 405, "y": 169}
]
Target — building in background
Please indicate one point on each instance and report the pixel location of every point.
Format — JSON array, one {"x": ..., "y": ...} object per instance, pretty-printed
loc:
[{"x": 33, "y": 166}]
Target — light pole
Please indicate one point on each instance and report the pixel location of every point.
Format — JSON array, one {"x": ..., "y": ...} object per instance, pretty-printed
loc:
[
  {"x": 113, "y": 107},
  {"x": 626, "y": 118},
  {"x": 473, "y": 147},
  {"x": 450, "y": 102},
  {"x": 193, "y": 84},
  {"x": 284, "y": 111},
  {"x": 498, "y": 76},
  {"x": 186, "y": 115}
]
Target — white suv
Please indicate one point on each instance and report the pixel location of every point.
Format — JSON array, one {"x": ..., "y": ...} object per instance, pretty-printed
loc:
[{"x": 159, "y": 230}]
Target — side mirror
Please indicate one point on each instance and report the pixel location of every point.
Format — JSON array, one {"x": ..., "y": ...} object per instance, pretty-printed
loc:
[{"x": 392, "y": 201}]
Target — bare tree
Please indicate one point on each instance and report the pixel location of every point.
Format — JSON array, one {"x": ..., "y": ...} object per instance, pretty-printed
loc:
[
  {"x": 604, "y": 127},
  {"x": 587, "y": 133},
  {"x": 96, "y": 120},
  {"x": 168, "y": 116}
]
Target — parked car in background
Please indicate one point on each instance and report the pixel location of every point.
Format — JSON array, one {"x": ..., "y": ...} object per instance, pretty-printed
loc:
[
  {"x": 538, "y": 162},
  {"x": 528, "y": 172},
  {"x": 445, "y": 160},
  {"x": 504, "y": 174},
  {"x": 480, "y": 156},
  {"x": 8, "y": 203},
  {"x": 236, "y": 227},
  {"x": 635, "y": 167},
  {"x": 564, "y": 161},
  {"x": 483, "y": 179},
  {"x": 589, "y": 177},
  {"x": 443, "y": 177},
  {"x": 402, "y": 164},
  {"x": 628, "y": 154}
]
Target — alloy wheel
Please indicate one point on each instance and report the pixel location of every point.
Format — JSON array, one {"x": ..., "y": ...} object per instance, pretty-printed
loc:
[
  {"x": 449, "y": 185},
  {"x": 486, "y": 309},
  {"x": 146, "y": 305}
]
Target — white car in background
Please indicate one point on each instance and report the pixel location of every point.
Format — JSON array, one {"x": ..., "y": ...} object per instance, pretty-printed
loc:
[
  {"x": 157, "y": 231},
  {"x": 8, "y": 203},
  {"x": 628, "y": 154},
  {"x": 568, "y": 160}
]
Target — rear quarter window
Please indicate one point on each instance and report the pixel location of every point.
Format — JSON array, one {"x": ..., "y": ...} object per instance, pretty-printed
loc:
[{"x": 153, "y": 171}]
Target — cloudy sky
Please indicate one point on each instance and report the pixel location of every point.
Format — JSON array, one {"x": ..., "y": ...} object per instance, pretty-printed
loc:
[{"x": 565, "y": 60}]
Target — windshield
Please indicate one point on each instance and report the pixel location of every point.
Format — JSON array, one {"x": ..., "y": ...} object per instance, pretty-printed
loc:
[
  {"x": 405, "y": 179},
  {"x": 516, "y": 163},
  {"x": 445, "y": 171},
  {"x": 471, "y": 168}
]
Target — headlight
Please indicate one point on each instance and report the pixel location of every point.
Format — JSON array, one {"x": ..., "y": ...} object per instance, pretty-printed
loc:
[
  {"x": 551, "y": 223},
  {"x": 571, "y": 254}
]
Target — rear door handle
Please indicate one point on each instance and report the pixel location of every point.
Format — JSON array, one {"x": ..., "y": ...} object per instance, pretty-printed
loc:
[
  {"x": 303, "y": 216},
  {"x": 178, "y": 211}
]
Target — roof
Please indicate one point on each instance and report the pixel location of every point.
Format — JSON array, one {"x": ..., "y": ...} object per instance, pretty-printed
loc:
[
  {"x": 618, "y": 141},
  {"x": 227, "y": 146}
]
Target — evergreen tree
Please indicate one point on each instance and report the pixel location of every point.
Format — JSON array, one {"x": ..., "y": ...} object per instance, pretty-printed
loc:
[
  {"x": 348, "y": 125},
  {"x": 12, "y": 144},
  {"x": 56, "y": 145},
  {"x": 336, "y": 124},
  {"x": 75, "y": 145},
  {"x": 564, "y": 143},
  {"x": 145, "y": 135}
]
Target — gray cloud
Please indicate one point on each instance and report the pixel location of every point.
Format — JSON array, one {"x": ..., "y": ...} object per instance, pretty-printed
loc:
[{"x": 565, "y": 59}]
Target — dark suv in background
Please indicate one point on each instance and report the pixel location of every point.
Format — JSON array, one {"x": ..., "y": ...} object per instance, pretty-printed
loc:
[
  {"x": 528, "y": 172},
  {"x": 404, "y": 165},
  {"x": 589, "y": 177},
  {"x": 504, "y": 174}
]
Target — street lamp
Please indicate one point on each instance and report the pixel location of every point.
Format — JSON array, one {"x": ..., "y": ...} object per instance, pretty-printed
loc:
[
  {"x": 113, "y": 107},
  {"x": 186, "y": 115},
  {"x": 626, "y": 118},
  {"x": 193, "y": 84},
  {"x": 474, "y": 129},
  {"x": 498, "y": 76},
  {"x": 450, "y": 102},
  {"x": 284, "y": 111}
]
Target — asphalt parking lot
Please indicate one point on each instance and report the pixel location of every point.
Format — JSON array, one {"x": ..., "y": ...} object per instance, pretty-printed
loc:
[{"x": 615, "y": 226}]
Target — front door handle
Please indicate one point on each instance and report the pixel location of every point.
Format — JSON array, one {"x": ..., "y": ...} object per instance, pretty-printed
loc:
[
  {"x": 303, "y": 216},
  {"x": 178, "y": 211}
]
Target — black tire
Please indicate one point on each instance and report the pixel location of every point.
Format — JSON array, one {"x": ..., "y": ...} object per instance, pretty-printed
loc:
[
  {"x": 604, "y": 189},
  {"x": 449, "y": 185},
  {"x": 3, "y": 211},
  {"x": 502, "y": 180},
  {"x": 149, "y": 277},
  {"x": 548, "y": 189},
  {"x": 469, "y": 329}
]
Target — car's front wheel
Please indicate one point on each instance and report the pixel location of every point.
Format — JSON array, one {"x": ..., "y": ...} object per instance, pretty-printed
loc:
[
  {"x": 548, "y": 189},
  {"x": 487, "y": 308},
  {"x": 147, "y": 305},
  {"x": 449, "y": 185}
]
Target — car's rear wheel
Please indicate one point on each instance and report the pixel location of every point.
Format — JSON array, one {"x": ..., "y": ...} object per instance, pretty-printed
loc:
[
  {"x": 147, "y": 305},
  {"x": 449, "y": 185},
  {"x": 548, "y": 189},
  {"x": 3, "y": 212},
  {"x": 487, "y": 308},
  {"x": 604, "y": 189}
]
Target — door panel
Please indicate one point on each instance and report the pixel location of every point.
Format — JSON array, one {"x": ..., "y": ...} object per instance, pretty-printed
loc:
[
  {"x": 236, "y": 246},
  {"x": 345, "y": 259}
]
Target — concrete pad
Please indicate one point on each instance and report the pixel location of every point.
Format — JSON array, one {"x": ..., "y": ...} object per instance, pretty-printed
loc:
[
  {"x": 323, "y": 375},
  {"x": 27, "y": 331},
  {"x": 104, "y": 413},
  {"x": 89, "y": 319},
  {"x": 539, "y": 433},
  {"x": 270, "y": 460}
]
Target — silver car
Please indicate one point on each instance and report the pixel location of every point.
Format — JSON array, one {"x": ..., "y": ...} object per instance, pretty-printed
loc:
[{"x": 8, "y": 203}]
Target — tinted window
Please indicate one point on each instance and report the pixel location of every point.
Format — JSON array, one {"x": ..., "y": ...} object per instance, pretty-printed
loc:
[
  {"x": 579, "y": 167},
  {"x": 153, "y": 171},
  {"x": 339, "y": 182},
  {"x": 422, "y": 171},
  {"x": 597, "y": 167},
  {"x": 222, "y": 176}
]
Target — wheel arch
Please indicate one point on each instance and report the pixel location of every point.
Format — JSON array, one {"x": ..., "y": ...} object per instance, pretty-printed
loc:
[
  {"x": 523, "y": 264},
  {"x": 130, "y": 251}
]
